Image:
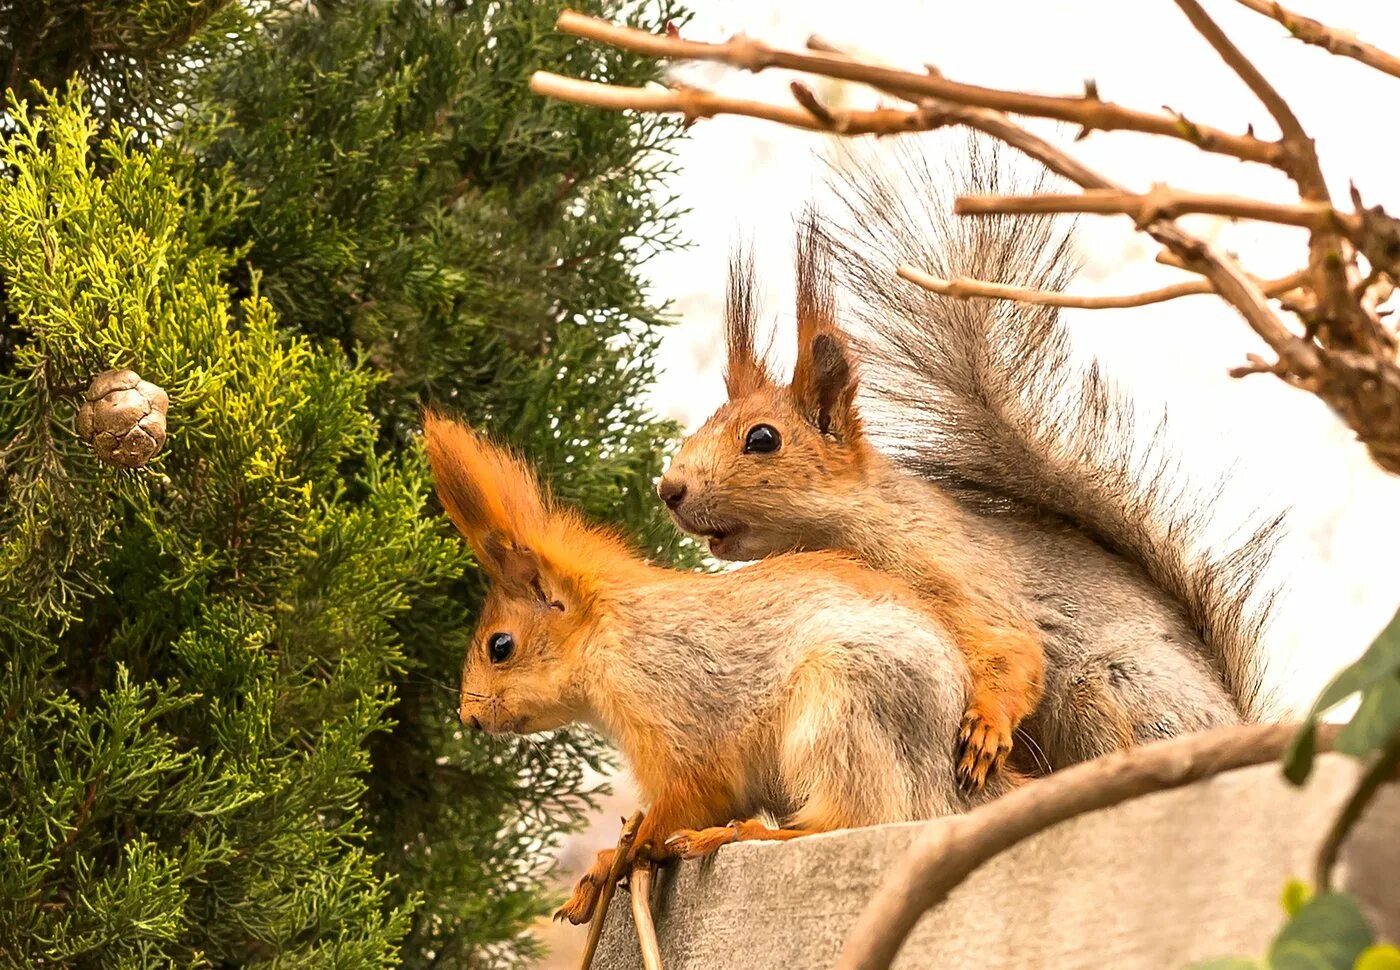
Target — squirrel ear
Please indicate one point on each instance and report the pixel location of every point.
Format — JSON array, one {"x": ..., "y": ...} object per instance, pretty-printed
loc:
[
  {"x": 744, "y": 368},
  {"x": 825, "y": 388},
  {"x": 824, "y": 379},
  {"x": 507, "y": 564}
]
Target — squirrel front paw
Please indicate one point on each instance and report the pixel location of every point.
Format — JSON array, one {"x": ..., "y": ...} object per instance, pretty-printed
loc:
[{"x": 983, "y": 744}]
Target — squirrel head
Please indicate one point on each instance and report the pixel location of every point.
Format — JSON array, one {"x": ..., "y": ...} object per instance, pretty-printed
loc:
[
  {"x": 546, "y": 566},
  {"x": 765, "y": 472}
]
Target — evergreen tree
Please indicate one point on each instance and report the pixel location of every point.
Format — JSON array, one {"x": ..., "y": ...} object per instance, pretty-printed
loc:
[
  {"x": 197, "y": 652},
  {"x": 229, "y": 676}
]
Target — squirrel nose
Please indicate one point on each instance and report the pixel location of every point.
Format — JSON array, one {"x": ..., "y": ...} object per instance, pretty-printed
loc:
[
  {"x": 472, "y": 723},
  {"x": 672, "y": 492}
]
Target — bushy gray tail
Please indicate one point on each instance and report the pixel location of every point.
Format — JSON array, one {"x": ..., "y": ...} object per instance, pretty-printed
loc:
[{"x": 985, "y": 398}]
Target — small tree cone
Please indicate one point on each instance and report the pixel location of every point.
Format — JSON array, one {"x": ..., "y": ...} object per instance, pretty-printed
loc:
[{"x": 123, "y": 418}]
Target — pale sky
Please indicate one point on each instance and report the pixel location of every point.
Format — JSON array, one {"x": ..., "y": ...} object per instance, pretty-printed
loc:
[{"x": 745, "y": 179}]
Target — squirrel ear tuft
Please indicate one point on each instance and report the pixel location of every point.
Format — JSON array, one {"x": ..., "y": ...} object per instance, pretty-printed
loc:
[
  {"x": 745, "y": 369},
  {"x": 490, "y": 495}
]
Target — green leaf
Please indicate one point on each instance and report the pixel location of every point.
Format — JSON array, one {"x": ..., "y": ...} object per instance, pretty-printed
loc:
[
  {"x": 1227, "y": 963},
  {"x": 1298, "y": 759},
  {"x": 1375, "y": 721},
  {"x": 1296, "y": 894},
  {"x": 1382, "y": 956},
  {"x": 1380, "y": 661},
  {"x": 1327, "y": 933}
]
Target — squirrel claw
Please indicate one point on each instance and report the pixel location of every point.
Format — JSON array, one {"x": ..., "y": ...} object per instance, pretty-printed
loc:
[
  {"x": 578, "y": 909},
  {"x": 984, "y": 741}
]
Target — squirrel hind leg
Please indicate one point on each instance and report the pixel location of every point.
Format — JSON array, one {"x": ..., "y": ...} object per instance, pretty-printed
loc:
[
  {"x": 698, "y": 843},
  {"x": 578, "y": 908}
]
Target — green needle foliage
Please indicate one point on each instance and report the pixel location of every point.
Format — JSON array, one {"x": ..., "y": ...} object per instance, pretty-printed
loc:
[
  {"x": 227, "y": 687},
  {"x": 197, "y": 653}
]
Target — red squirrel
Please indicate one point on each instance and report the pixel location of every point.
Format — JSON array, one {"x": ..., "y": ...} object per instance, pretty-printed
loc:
[
  {"x": 1004, "y": 473},
  {"x": 786, "y": 467}
]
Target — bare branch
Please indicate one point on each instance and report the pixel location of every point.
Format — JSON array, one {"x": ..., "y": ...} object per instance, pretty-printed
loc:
[
  {"x": 1345, "y": 356},
  {"x": 1339, "y": 320},
  {"x": 963, "y": 288},
  {"x": 1293, "y": 133},
  {"x": 620, "y": 861},
  {"x": 1340, "y": 42},
  {"x": 953, "y": 847},
  {"x": 1164, "y": 202},
  {"x": 695, "y": 104},
  {"x": 1089, "y": 112}
]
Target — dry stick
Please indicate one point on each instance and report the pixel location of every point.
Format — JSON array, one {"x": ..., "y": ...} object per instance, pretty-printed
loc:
[
  {"x": 640, "y": 887},
  {"x": 1164, "y": 202},
  {"x": 605, "y": 892},
  {"x": 1334, "y": 41},
  {"x": 1089, "y": 112},
  {"x": 695, "y": 103},
  {"x": 963, "y": 288},
  {"x": 1342, "y": 323},
  {"x": 953, "y": 847},
  {"x": 1381, "y": 770},
  {"x": 1299, "y": 356}
]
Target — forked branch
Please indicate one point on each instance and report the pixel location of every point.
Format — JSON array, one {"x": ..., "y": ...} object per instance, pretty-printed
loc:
[
  {"x": 1089, "y": 111},
  {"x": 622, "y": 857}
]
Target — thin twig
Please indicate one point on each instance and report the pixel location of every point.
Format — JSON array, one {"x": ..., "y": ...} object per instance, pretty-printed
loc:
[
  {"x": 695, "y": 103},
  {"x": 1288, "y": 123},
  {"x": 1164, "y": 202},
  {"x": 963, "y": 288},
  {"x": 640, "y": 887},
  {"x": 620, "y": 861},
  {"x": 953, "y": 847},
  {"x": 1340, "y": 42},
  {"x": 1381, "y": 770},
  {"x": 1089, "y": 112}
]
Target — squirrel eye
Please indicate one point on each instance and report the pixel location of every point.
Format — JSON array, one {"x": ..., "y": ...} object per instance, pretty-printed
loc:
[
  {"x": 500, "y": 647},
  {"x": 763, "y": 439}
]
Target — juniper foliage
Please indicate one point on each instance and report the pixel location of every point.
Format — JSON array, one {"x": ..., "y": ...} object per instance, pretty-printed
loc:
[{"x": 227, "y": 681}]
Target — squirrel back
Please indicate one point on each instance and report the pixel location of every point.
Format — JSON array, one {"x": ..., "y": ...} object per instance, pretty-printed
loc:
[{"x": 985, "y": 398}]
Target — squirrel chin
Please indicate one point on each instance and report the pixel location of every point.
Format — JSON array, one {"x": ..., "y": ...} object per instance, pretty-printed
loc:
[{"x": 725, "y": 544}]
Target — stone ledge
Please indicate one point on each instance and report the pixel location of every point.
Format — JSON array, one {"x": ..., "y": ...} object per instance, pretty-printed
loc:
[{"x": 1154, "y": 883}]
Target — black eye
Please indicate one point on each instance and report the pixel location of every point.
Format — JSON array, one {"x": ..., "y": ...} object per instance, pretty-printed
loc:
[
  {"x": 763, "y": 439},
  {"x": 500, "y": 647}
]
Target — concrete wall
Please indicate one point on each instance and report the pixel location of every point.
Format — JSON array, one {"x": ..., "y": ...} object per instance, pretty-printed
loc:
[{"x": 1154, "y": 883}]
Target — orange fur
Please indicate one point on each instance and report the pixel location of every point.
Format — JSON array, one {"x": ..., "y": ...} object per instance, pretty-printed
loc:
[{"x": 550, "y": 571}]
